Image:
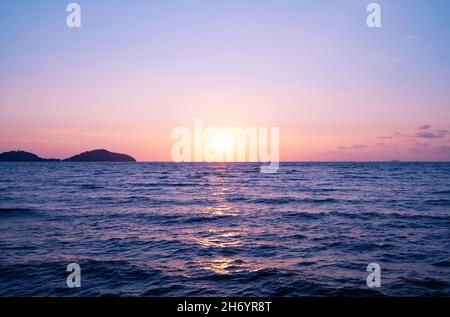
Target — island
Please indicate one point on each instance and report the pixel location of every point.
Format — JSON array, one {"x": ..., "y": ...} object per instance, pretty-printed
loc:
[
  {"x": 89, "y": 156},
  {"x": 22, "y": 156},
  {"x": 100, "y": 156}
]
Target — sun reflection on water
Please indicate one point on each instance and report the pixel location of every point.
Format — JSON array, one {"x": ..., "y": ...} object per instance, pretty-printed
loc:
[
  {"x": 228, "y": 266},
  {"x": 220, "y": 238}
]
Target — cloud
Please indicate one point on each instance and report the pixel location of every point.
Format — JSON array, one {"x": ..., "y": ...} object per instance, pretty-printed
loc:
[
  {"x": 423, "y": 134},
  {"x": 444, "y": 149},
  {"x": 353, "y": 147},
  {"x": 411, "y": 37},
  {"x": 393, "y": 136},
  {"x": 430, "y": 149},
  {"x": 389, "y": 60},
  {"x": 424, "y": 127},
  {"x": 432, "y": 135},
  {"x": 422, "y": 145}
]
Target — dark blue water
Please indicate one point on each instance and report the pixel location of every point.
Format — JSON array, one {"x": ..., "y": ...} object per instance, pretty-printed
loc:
[{"x": 154, "y": 229}]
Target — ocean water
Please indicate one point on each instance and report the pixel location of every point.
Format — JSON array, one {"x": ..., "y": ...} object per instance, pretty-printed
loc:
[{"x": 165, "y": 229}]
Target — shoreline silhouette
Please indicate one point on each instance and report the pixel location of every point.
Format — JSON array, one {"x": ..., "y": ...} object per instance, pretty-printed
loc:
[{"x": 99, "y": 155}]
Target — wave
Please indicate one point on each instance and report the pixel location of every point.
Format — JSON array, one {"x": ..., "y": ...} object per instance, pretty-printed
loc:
[
  {"x": 438, "y": 202},
  {"x": 282, "y": 200},
  {"x": 442, "y": 263},
  {"x": 15, "y": 211},
  {"x": 305, "y": 214},
  {"x": 431, "y": 283},
  {"x": 90, "y": 186},
  {"x": 441, "y": 192}
]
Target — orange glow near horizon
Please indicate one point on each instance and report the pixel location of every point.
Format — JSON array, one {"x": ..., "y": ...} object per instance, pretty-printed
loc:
[{"x": 154, "y": 144}]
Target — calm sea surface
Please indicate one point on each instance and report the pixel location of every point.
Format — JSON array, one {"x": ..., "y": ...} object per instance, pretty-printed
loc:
[{"x": 163, "y": 229}]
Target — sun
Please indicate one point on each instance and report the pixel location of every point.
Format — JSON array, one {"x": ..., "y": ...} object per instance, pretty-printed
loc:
[{"x": 222, "y": 143}]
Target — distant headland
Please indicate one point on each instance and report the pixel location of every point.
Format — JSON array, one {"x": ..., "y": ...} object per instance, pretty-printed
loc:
[
  {"x": 22, "y": 156},
  {"x": 89, "y": 156},
  {"x": 100, "y": 156}
]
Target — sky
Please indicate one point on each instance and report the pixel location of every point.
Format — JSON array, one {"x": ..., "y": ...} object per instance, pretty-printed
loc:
[{"x": 135, "y": 70}]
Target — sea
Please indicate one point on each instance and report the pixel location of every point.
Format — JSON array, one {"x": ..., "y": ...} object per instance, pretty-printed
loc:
[{"x": 225, "y": 229}]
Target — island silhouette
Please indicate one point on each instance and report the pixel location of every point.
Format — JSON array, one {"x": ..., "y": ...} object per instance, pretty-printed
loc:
[{"x": 100, "y": 155}]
